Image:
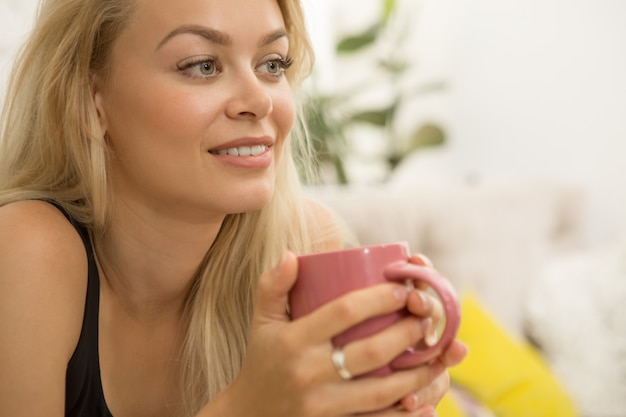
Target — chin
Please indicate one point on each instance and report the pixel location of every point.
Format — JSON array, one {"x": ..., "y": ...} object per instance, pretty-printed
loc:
[{"x": 252, "y": 200}]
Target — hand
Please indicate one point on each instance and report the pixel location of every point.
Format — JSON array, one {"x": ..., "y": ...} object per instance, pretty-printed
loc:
[
  {"x": 288, "y": 370},
  {"x": 422, "y": 304}
]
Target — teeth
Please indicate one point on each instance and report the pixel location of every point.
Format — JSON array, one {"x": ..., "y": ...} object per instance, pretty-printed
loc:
[{"x": 242, "y": 151}]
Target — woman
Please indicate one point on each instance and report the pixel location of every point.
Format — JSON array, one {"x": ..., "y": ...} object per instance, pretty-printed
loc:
[{"x": 146, "y": 146}]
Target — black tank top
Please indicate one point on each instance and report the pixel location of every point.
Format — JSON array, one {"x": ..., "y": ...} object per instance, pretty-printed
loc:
[{"x": 84, "y": 396}]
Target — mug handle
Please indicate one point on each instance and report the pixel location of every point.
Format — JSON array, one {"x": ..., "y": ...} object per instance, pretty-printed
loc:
[{"x": 401, "y": 271}]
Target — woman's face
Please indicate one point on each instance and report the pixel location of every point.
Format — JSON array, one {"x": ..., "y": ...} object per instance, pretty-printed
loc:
[{"x": 197, "y": 107}]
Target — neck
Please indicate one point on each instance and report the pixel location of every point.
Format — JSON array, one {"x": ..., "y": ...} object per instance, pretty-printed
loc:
[{"x": 148, "y": 261}]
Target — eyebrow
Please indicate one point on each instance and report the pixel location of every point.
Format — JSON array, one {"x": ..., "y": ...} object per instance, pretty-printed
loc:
[
  {"x": 218, "y": 37},
  {"x": 272, "y": 37}
]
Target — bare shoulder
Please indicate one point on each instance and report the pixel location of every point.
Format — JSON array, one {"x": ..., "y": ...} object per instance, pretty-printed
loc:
[
  {"x": 328, "y": 231},
  {"x": 36, "y": 232},
  {"x": 43, "y": 270}
]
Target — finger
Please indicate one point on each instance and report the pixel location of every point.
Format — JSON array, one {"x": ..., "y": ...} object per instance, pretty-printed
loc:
[
  {"x": 371, "y": 353},
  {"x": 421, "y": 260},
  {"x": 344, "y": 312},
  {"x": 454, "y": 354},
  {"x": 273, "y": 289},
  {"x": 423, "y": 304},
  {"x": 371, "y": 394},
  {"x": 423, "y": 411},
  {"x": 400, "y": 412},
  {"x": 429, "y": 396},
  {"x": 435, "y": 329}
]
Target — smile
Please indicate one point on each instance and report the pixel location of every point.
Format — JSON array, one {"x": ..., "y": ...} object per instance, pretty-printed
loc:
[{"x": 242, "y": 151}]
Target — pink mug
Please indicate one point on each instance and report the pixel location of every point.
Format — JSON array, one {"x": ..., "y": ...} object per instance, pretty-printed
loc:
[{"x": 325, "y": 276}]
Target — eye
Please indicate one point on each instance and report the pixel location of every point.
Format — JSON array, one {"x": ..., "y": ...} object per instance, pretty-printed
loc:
[
  {"x": 207, "y": 68},
  {"x": 275, "y": 67},
  {"x": 199, "y": 67}
]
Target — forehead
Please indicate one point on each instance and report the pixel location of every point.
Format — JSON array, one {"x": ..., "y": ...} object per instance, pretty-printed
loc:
[{"x": 155, "y": 18}]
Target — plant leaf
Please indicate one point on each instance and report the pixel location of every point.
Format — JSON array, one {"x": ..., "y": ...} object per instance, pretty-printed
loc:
[
  {"x": 353, "y": 43},
  {"x": 374, "y": 117},
  {"x": 427, "y": 135},
  {"x": 394, "y": 66}
]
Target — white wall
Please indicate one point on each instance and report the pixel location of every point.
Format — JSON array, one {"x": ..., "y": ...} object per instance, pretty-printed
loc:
[
  {"x": 540, "y": 92},
  {"x": 16, "y": 17},
  {"x": 537, "y": 92},
  {"x": 537, "y": 88}
]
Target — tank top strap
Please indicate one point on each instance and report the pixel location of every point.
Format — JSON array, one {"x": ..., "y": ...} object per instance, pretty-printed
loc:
[{"x": 83, "y": 385}]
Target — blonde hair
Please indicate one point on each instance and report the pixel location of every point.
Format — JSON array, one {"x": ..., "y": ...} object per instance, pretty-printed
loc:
[{"x": 52, "y": 147}]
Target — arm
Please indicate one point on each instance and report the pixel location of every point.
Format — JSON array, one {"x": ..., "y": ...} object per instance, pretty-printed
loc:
[{"x": 43, "y": 271}]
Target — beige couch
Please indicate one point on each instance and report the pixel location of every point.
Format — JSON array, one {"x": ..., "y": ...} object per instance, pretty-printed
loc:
[{"x": 489, "y": 240}]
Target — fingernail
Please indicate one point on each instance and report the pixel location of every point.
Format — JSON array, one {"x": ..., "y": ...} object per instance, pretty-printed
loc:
[
  {"x": 426, "y": 260},
  {"x": 425, "y": 325},
  {"x": 400, "y": 293},
  {"x": 408, "y": 404},
  {"x": 426, "y": 302},
  {"x": 431, "y": 337},
  {"x": 415, "y": 400},
  {"x": 427, "y": 412}
]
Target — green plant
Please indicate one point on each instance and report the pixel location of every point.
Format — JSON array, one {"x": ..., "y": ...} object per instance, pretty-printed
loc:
[{"x": 329, "y": 116}]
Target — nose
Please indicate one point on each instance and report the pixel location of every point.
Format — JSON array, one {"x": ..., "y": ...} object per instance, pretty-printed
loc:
[{"x": 250, "y": 98}]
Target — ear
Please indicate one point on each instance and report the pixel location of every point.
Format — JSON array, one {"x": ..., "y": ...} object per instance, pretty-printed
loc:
[{"x": 98, "y": 100}]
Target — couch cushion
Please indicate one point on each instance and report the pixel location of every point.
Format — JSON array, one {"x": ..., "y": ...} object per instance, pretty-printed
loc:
[
  {"x": 505, "y": 373},
  {"x": 487, "y": 239}
]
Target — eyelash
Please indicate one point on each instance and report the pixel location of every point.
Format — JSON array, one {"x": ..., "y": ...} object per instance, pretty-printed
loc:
[{"x": 283, "y": 65}]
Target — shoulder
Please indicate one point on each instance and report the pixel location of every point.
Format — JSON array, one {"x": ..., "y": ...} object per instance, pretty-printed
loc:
[
  {"x": 43, "y": 282},
  {"x": 34, "y": 233},
  {"x": 326, "y": 229},
  {"x": 42, "y": 257}
]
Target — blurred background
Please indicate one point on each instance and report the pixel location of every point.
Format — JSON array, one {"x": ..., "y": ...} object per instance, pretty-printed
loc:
[
  {"x": 531, "y": 90},
  {"x": 490, "y": 135}
]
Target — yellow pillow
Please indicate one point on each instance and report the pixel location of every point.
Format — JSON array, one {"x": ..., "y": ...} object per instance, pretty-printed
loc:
[{"x": 506, "y": 375}]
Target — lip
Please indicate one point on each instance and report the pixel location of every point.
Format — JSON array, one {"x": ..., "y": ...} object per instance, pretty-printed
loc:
[{"x": 261, "y": 161}]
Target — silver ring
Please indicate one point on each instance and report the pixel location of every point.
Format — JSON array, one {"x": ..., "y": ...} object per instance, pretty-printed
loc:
[{"x": 339, "y": 360}]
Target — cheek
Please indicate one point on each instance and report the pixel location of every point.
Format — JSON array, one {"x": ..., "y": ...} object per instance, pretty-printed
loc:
[
  {"x": 155, "y": 118},
  {"x": 284, "y": 113},
  {"x": 156, "y": 108}
]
